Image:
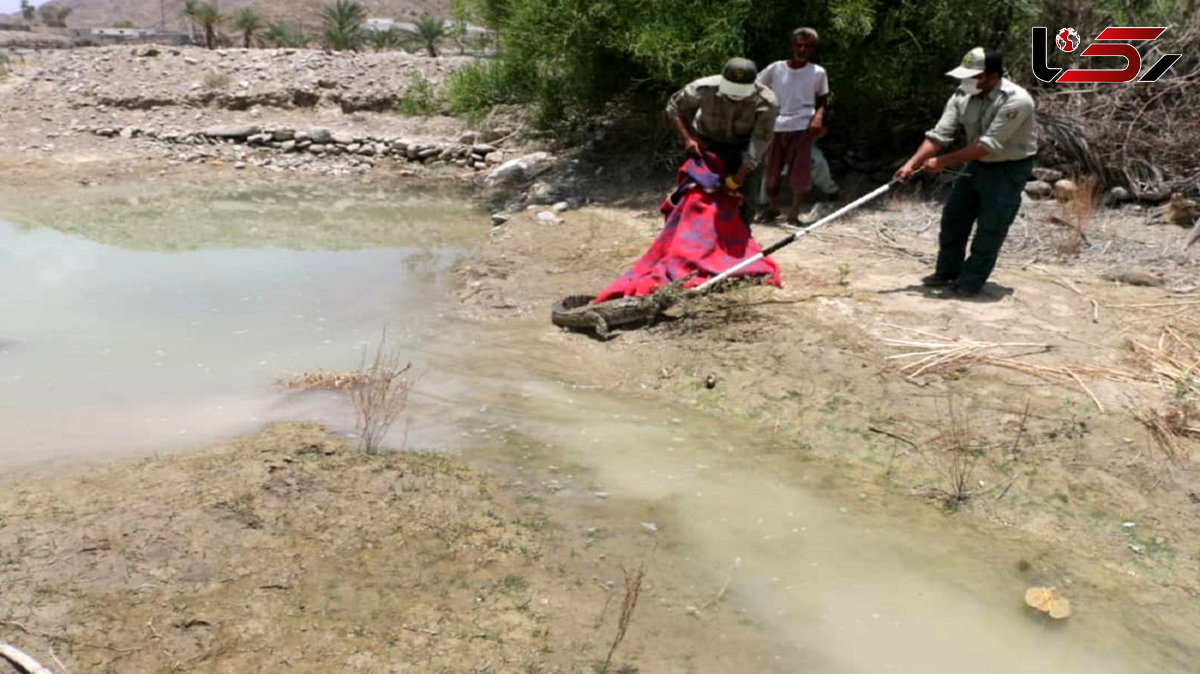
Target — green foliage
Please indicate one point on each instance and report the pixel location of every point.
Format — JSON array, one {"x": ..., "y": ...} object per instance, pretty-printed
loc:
[
  {"x": 279, "y": 34},
  {"x": 569, "y": 57},
  {"x": 428, "y": 31},
  {"x": 53, "y": 15},
  {"x": 383, "y": 40},
  {"x": 343, "y": 22},
  {"x": 477, "y": 87},
  {"x": 419, "y": 99},
  {"x": 28, "y": 11},
  {"x": 249, "y": 22},
  {"x": 207, "y": 16}
]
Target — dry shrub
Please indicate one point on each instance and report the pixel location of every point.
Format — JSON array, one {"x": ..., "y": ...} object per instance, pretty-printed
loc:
[
  {"x": 378, "y": 392},
  {"x": 633, "y": 588},
  {"x": 1173, "y": 362},
  {"x": 380, "y": 398},
  {"x": 1075, "y": 213}
]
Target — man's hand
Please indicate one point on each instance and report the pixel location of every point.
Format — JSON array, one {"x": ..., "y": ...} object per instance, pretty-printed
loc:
[
  {"x": 693, "y": 146},
  {"x": 816, "y": 128},
  {"x": 933, "y": 165},
  {"x": 905, "y": 172}
]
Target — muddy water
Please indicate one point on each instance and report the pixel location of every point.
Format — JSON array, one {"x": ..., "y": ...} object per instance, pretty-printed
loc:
[
  {"x": 158, "y": 320},
  {"x": 143, "y": 322}
]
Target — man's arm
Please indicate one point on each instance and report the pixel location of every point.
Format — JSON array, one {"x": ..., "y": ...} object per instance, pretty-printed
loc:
[
  {"x": 764, "y": 129},
  {"x": 1009, "y": 118},
  {"x": 940, "y": 135},
  {"x": 817, "y": 125},
  {"x": 683, "y": 104}
]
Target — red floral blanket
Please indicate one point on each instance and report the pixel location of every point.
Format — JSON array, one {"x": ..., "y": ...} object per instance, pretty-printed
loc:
[{"x": 704, "y": 235}]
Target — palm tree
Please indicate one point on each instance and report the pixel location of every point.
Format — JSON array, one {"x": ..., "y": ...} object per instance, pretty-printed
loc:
[
  {"x": 279, "y": 34},
  {"x": 344, "y": 24},
  {"x": 189, "y": 11},
  {"x": 249, "y": 22},
  {"x": 208, "y": 17},
  {"x": 429, "y": 31}
]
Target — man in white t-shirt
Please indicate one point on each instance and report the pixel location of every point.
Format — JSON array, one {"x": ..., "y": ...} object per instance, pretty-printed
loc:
[{"x": 801, "y": 89}]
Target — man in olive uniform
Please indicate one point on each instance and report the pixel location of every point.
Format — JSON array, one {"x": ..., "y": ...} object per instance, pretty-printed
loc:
[
  {"x": 998, "y": 120},
  {"x": 731, "y": 116}
]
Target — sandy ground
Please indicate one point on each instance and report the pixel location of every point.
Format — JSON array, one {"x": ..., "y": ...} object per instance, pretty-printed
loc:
[
  {"x": 1068, "y": 462},
  {"x": 285, "y": 550}
]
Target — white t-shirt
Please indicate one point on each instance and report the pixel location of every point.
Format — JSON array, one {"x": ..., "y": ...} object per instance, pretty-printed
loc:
[{"x": 797, "y": 90}]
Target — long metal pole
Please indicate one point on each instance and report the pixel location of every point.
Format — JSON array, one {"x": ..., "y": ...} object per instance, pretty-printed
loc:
[{"x": 791, "y": 238}]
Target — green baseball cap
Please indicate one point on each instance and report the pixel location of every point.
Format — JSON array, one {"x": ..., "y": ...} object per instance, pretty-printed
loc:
[{"x": 737, "y": 78}]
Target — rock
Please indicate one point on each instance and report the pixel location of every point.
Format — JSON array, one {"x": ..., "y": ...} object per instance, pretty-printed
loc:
[
  {"x": 232, "y": 131},
  {"x": 240, "y": 165},
  {"x": 130, "y": 132},
  {"x": 468, "y": 137},
  {"x": 428, "y": 152},
  {"x": 353, "y": 147},
  {"x": 560, "y": 207},
  {"x": 1134, "y": 277},
  {"x": 342, "y": 137},
  {"x": 288, "y": 145},
  {"x": 1046, "y": 175},
  {"x": 483, "y": 149},
  {"x": 494, "y": 157},
  {"x": 190, "y": 61},
  {"x": 283, "y": 134},
  {"x": 1064, "y": 189},
  {"x": 1119, "y": 194},
  {"x": 1038, "y": 189},
  {"x": 493, "y": 135},
  {"x": 519, "y": 169},
  {"x": 321, "y": 136},
  {"x": 543, "y": 193},
  {"x": 549, "y": 218},
  {"x": 500, "y": 218}
]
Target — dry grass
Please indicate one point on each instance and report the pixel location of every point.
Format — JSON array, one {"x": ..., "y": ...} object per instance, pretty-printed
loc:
[
  {"x": 378, "y": 392},
  {"x": 1075, "y": 213},
  {"x": 633, "y": 588},
  {"x": 1172, "y": 362}
]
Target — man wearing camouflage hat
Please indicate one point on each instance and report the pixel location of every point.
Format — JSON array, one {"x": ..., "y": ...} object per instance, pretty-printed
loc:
[
  {"x": 731, "y": 116},
  {"x": 998, "y": 120}
]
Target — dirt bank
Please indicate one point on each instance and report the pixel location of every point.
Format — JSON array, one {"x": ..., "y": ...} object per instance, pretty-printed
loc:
[
  {"x": 1053, "y": 439},
  {"x": 290, "y": 550}
]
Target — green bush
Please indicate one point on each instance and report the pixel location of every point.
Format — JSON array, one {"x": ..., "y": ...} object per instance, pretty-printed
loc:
[
  {"x": 477, "y": 87},
  {"x": 419, "y": 99}
]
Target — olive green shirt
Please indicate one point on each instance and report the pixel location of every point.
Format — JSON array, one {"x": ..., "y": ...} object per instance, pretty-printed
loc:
[
  {"x": 725, "y": 120},
  {"x": 1001, "y": 120}
]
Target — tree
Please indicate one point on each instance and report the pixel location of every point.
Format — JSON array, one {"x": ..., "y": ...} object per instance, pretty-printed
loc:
[
  {"x": 278, "y": 34},
  {"x": 55, "y": 17},
  {"x": 208, "y": 17},
  {"x": 344, "y": 25},
  {"x": 249, "y": 22},
  {"x": 429, "y": 30},
  {"x": 28, "y": 12}
]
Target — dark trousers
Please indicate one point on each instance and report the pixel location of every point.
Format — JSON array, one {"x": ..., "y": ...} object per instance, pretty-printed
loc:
[
  {"x": 988, "y": 198},
  {"x": 731, "y": 156}
]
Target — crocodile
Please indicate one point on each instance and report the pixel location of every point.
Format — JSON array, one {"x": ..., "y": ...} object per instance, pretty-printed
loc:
[{"x": 578, "y": 313}]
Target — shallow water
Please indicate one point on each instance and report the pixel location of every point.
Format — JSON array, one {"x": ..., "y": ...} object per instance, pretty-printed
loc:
[
  {"x": 111, "y": 345},
  {"x": 847, "y": 582},
  {"x": 111, "y": 350}
]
